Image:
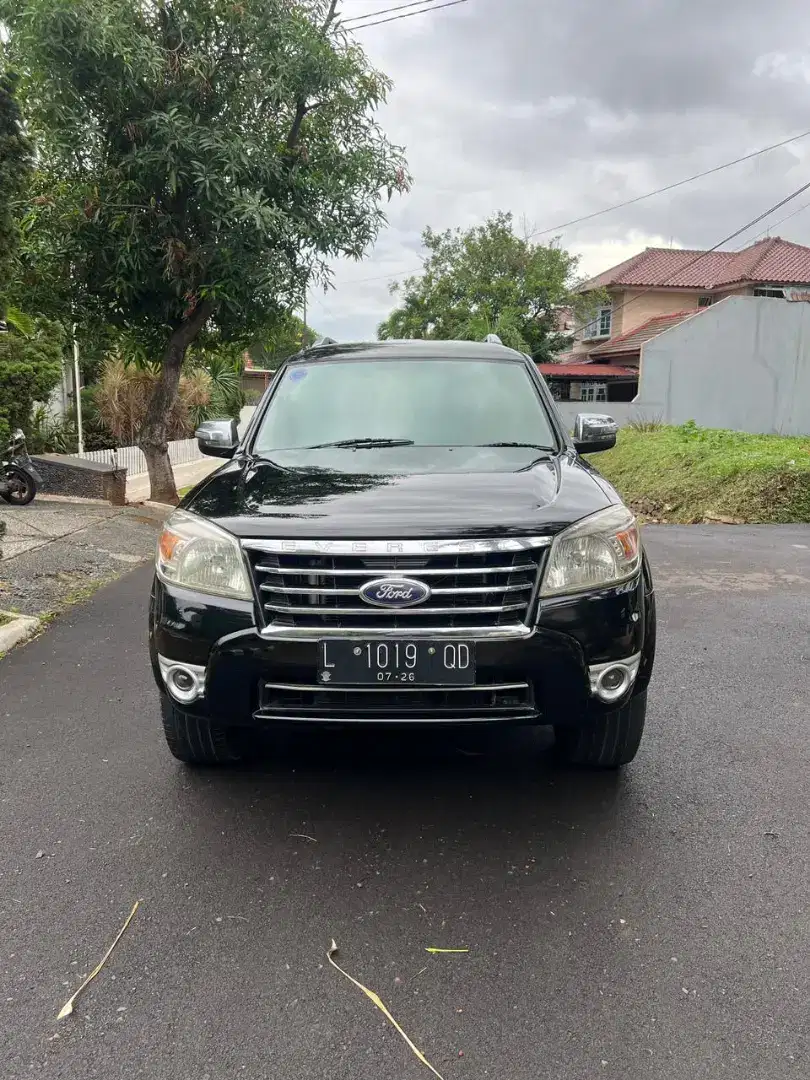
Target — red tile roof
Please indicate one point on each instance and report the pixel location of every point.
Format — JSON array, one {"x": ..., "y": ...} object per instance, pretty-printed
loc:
[
  {"x": 768, "y": 261},
  {"x": 602, "y": 371},
  {"x": 632, "y": 341}
]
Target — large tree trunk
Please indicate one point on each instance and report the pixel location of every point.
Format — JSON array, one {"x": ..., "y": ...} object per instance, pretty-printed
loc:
[{"x": 153, "y": 440}]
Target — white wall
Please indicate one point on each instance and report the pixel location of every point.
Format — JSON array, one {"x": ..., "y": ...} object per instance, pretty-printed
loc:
[
  {"x": 744, "y": 364},
  {"x": 623, "y": 412}
]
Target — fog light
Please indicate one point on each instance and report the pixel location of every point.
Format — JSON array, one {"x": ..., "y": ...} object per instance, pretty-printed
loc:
[
  {"x": 611, "y": 681},
  {"x": 182, "y": 680},
  {"x": 185, "y": 682}
]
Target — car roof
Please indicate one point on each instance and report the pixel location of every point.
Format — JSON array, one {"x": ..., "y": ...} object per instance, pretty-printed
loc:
[{"x": 410, "y": 349}]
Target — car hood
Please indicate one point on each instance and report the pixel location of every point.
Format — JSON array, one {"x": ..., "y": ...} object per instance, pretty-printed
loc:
[{"x": 259, "y": 499}]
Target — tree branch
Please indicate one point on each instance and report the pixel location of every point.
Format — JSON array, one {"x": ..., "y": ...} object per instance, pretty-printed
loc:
[
  {"x": 295, "y": 130},
  {"x": 301, "y": 107},
  {"x": 302, "y": 110},
  {"x": 188, "y": 329},
  {"x": 330, "y": 15}
]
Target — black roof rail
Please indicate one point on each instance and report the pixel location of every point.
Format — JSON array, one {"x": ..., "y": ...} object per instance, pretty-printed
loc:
[{"x": 493, "y": 339}]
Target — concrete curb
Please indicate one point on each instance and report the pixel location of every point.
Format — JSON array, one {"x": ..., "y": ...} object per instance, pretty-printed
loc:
[{"x": 19, "y": 629}]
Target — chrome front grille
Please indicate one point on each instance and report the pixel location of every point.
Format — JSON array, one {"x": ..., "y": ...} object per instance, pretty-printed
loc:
[
  {"x": 486, "y": 701},
  {"x": 474, "y": 584}
]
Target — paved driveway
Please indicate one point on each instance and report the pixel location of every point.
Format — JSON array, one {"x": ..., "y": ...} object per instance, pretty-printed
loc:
[
  {"x": 55, "y": 549},
  {"x": 654, "y": 925}
]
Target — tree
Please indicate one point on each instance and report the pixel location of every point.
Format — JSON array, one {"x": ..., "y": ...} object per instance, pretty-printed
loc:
[
  {"x": 16, "y": 163},
  {"x": 287, "y": 335},
  {"x": 486, "y": 280},
  {"x": 30, "y": 353},
  {"x": 30, "y": 368},
  {"x": 200, "y": 161}
]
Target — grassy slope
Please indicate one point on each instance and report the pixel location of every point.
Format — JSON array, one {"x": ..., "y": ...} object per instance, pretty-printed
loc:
[{"x": 688, "y": 474}]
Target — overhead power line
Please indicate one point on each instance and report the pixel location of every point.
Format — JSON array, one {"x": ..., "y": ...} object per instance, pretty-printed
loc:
[
  {"x": 618, "y": 206},
  {"x": 702, "y": 254},
  {"x": 670, "y": 187},
  {"x": 385, "y": 11},
  {"x": 775, "y": 225},
  {"x": 408, "y": 14}
]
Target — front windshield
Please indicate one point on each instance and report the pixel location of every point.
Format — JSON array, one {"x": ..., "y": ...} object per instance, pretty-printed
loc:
[{"x": 424, "y": 402}]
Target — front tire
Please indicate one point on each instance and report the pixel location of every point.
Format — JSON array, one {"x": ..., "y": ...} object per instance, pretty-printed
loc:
[
  {"x": 607, "y": 740},
  {"x": 23, "y": 487},
  {"x": 196, "y": 740}
]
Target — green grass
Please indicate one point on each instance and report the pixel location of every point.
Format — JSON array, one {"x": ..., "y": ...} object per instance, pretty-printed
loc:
[
  {"x": 184, "y": 491},
  {"x": 689, "y": 474}
]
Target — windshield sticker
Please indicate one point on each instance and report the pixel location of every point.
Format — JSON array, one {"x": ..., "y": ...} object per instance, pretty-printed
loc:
[{"x": 298, "y": 375}]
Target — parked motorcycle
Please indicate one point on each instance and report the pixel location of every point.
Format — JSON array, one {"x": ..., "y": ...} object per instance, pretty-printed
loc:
[{"x": 19, "y": 480}]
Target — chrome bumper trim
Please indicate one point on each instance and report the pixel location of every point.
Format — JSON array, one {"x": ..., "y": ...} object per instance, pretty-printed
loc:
[
  {"x": 422, "y": 688},
  {"x": 517, "y": 632}
]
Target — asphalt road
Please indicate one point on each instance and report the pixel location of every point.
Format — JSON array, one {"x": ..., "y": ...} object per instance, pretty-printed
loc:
[{"x": 654, "y": 925}]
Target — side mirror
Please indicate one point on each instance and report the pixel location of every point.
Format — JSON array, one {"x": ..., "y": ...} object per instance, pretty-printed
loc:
[
  {"x": 217, "y": 438},
  {"x": 594, "y": 432}
]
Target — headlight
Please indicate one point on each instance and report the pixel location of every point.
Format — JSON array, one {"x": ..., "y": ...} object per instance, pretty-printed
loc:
[
  {"x": 604, "y": 549},
  {"x": 197, "y": 555}
]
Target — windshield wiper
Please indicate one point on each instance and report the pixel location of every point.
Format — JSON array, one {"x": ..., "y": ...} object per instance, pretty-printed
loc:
[
  {"x": 361, "y": 444},
  {"x": 528, "y": 445}
]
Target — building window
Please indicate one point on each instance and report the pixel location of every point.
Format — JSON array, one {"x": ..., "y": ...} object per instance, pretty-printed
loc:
[
  {"x": 770, "y": 290},
  {"x": 593, "y": 392},
  {"x": 600, "y": 326},
  {"x": 705, "y": 301}
]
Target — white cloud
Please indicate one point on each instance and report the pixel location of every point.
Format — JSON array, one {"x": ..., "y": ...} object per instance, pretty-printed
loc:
[{"x": 545, "y": 111}]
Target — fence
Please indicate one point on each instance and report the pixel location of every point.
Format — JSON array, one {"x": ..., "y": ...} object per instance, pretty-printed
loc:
[
  {"x": 132, "y": 459},
  {"x": 181, "y": 452}
]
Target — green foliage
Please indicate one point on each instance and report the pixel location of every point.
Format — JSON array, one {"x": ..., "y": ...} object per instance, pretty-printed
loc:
[
  {"x": 224, "y": 369},
  {"x": 20, "y": 322},
  {"x": 282, "y": 337},
  {"x": 196, "y": 151},
  {"x": 47, "y": 434},
  {"x": 16, "y": 157},
  {"x": 97, "y": 435},
  {"x": 690, "y": 474},
  {"x": 30, "y": 368},
  {"x": 486, "y": 280}
]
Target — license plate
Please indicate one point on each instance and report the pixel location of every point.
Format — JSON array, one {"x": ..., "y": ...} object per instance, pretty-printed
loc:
[{"x": 397, "y": 663}]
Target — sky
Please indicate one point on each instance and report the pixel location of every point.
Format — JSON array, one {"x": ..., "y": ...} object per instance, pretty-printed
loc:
[{"x": 553, "y": 110}]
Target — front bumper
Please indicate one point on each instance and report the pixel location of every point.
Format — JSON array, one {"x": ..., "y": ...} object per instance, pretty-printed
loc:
[{"x": 547, "y": 676}]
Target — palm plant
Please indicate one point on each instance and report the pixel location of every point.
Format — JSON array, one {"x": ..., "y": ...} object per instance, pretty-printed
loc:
[{"x": 123, "y": 393}]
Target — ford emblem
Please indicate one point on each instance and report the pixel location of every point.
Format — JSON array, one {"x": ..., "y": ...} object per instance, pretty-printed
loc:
[{"x": 394, "y": 592}]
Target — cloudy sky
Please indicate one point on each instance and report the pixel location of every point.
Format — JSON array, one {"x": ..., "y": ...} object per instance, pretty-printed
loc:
[{"x": 554, "y": 110}]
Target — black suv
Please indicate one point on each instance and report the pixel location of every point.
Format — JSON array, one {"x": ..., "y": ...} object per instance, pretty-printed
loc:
[{"x": 405, "y": 534}]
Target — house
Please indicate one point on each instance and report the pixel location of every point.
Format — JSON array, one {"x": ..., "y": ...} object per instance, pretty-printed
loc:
[
  {"x": 655, "y": 291},
  {"x": 610, "y": 370},
  {"x": 255, "y": 380}
]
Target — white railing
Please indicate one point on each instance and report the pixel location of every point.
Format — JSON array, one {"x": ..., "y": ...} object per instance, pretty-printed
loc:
[
  {"x": 181, "y": 452},
  {"x": 132, "y": 459}
]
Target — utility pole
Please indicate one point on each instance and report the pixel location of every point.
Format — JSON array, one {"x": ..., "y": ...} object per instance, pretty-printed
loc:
[
  {"x": 77, "y": 391},
  {"x": 305, "y": 332}
]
